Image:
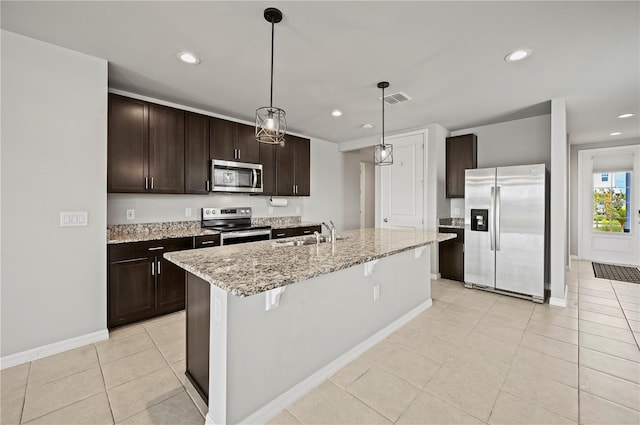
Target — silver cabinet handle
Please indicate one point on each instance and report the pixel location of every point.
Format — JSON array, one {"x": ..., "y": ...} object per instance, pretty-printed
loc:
[
  {"x": 146, "y": 183},
  {"x": 151, "y": 183},
  {"x": 279, "y": 234},
  {"x": 207, "y": 185},
  {"x": 238, "y": 153},
  {"x": 155, "y": 248},
  {"x": 207, "y": 242},
  {"x": 153, "y": 268},
  {"x": 306, "y": 232},
  {"x": 158, "y": 266}
]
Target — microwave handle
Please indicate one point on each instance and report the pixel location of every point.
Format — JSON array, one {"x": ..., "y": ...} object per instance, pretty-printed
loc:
[{"x": 254, "y": 180}]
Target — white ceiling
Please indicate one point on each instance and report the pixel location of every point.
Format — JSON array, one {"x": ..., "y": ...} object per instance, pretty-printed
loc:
[{"x": 448, "y": 56}]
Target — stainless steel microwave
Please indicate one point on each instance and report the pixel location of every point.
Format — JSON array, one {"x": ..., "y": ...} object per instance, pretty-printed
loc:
[{"x": 231, "y": 176}]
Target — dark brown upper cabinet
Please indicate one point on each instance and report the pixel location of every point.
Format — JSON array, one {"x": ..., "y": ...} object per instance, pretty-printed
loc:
[
  {"x": 128, "y": 145},
  {"x": 293, "y": 167},
  {"x": 166, "y": 149},
  {"x": 232, "y": 141},
  {"x": 268, "y": 161},
  {"x": 145, "y": 150},
  {"x": 196, "y": 151},
  {"x": 461, "y": 155}
]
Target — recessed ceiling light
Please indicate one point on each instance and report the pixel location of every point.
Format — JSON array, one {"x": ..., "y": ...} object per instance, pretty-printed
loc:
[
  {"x": 336, "y": 113},
  {"x": 189, "y": 58},
  {"x": 625, "y": 115},
  {"x": 615, "y": 133},
  {"x": 367, "y": 125},
  {"x": 517, "y": 55}
]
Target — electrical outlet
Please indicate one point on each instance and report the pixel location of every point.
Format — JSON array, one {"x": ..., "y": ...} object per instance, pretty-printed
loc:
[
  {"x": 297, "y": 210},
  {"x": 131, "y": 214},
  {"x": 456, "y": 211},
  {"x": 376, "y": 293},
  {"x": 187, "y": 212},
  {"x": 74, "y": 219}
]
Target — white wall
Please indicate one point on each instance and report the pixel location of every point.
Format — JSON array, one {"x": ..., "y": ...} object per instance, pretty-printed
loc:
[
  {"x": 517, "y": 142},
  {"x": 558, "y": 201},
  {"x": 54, "y": 158},
  {"x": 573, "y": 185},
  {"x": 350, "y": 189}
]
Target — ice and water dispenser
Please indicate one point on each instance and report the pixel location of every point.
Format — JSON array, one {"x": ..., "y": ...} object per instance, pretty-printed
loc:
[{"x": 480, "y": 220}]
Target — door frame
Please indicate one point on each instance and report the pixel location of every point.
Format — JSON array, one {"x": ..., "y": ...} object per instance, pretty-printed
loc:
[{"x": 585, "y": 159}]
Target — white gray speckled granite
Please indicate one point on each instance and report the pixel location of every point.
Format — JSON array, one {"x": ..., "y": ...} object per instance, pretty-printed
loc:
[
  {"x": 252, "y": 268},
  {"x": 300, "y": 224},
  {"x": 452, "y": 223},
  {"x": 123, "y": 233}
]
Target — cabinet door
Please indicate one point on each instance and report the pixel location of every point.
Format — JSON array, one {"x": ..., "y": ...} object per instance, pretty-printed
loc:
[
  {"x": 223, "y": 139},
  {"x": 248, "y": 146},
  {"x": 461, "y": 154},
  {"x": 170, "y": 286},
  {"x": 127, "y": 150},
  {"x": 196, "y": 150},
  {"x": 285, "y": 168},
  {"x": 268, "y": 161},
  {"x": 166, "y": 149},
  {"x": 131, "y": 291},
  {"x": 302, "y": 165}
]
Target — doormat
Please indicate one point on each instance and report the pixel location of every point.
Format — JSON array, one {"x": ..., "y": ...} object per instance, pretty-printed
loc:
[{"x": 621, "y": 273}]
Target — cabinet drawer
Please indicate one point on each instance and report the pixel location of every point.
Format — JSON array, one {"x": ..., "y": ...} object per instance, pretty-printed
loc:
[
  {"x": 206, "y": 241},
  {"x": 282, "y": 233},
  {"x": 127, "y": 251},
  {"x": 308, "y": 230}
]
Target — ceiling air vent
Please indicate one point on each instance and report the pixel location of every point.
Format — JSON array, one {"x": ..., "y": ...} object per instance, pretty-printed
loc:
[{"x": 396, "y": 98}]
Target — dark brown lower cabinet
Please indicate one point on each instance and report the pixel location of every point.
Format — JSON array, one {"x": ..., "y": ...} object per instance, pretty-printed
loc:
[
  {"x": 141, "y": 284},
  {"x": 451, "y": 255},
  {"x": 294, "y": 231},
  {"x": 197, "y": 368}
]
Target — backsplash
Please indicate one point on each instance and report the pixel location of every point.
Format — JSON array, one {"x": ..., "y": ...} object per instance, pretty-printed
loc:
[
  {"x": 276, "y": 221},
  {"x": 152, "y": 208},
  {"x": 452, "y": 222},
  {"x": 128, "y": 229}
]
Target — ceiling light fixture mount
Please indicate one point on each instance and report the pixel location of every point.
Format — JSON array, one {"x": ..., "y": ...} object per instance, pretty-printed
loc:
[
  {"x": 271, "y": 124},
  {"x": 367, "y": 125},
  {"x": 336, "y": 113},
  {"x": 626, "y": 115},
  {"x": 518, "y": 55},
  {"x": 188, "y": 57},
  {"x": 383, "y": 153}
]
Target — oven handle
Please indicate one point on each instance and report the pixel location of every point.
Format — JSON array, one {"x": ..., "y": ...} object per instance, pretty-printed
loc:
[{"x": 244, "y": 234}]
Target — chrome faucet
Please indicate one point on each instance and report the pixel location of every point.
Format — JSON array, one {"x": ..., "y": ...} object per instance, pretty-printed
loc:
[
  {"x": 317, "y": 237},
  {"x": 332, "y": 231}
]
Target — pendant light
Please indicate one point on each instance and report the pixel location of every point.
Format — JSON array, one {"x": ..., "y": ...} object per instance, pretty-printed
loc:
[
  {"x": 271, "y": 124},
  {"x": 383, "y": 154}
]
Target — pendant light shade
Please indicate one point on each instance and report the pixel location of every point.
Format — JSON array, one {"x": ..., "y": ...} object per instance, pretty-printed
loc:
[
  {"x": 383, "y": 153},
  {"x": 271, "y": 124}
]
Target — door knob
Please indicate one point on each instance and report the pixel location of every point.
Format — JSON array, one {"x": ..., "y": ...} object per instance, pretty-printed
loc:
[{"x": 385, "y": 220}]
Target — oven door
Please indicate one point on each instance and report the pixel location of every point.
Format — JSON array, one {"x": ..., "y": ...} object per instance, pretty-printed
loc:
[
  {"x": 242, "y": 236},
  {"x": 230, "y": 176}
]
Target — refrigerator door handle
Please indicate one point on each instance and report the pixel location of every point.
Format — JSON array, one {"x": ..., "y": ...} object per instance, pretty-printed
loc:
[
  {"x": 492, "y": 209},
  {"x": 497, "y": 226}
]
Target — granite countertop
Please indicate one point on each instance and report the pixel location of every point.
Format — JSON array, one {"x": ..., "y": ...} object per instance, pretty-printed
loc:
[
  {"x": 451, "y": 223},
  {"x": 152, "y": 235},
  {"x": 249, "y": 269},
  {"x": 294, "y": 225}
]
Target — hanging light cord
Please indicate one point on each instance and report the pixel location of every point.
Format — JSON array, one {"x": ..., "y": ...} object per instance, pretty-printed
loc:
[
  {"x": 383, "y": 118},
  {"x": 272, "y": 44}
]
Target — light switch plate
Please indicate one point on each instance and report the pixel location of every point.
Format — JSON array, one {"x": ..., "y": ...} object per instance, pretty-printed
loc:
[
  {"x": 74, "y": 219},
  {"x": 187, "y": 212},
  {"x": 297, "y": 210}
]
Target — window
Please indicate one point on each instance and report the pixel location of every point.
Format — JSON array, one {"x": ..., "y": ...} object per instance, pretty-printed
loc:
[{"x": 612, "y": 202}]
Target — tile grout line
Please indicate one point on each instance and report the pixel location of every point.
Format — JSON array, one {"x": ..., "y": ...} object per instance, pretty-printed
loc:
[
  {"x": 24, "y": 399},
  {"x": 104, "y": 383},
  {"x": 625, "y": 316}
]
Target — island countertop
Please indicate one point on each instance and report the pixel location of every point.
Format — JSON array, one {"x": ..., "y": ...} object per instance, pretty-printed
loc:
[{"x": 249, "y": 269}]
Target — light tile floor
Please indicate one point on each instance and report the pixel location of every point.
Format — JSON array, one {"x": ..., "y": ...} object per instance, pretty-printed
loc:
[{"x": 473, "y": 358}]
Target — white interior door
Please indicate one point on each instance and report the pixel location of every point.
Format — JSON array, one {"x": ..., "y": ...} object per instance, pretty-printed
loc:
[
  {"x": 402, "y": 184},
  {"x": 609, "y": 205}
]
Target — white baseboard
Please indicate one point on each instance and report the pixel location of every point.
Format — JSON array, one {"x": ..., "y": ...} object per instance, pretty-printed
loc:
[
  {"x": 435, "y": 276},
  {"x": 54, "y": 348},
  {"x": 575, "y": 257},
  {"x": 560, "y": 302},
  {"x": 269, "y": 410}
]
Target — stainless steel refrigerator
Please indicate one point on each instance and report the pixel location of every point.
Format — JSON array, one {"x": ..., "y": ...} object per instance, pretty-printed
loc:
[{"x": 506, "y": 230}]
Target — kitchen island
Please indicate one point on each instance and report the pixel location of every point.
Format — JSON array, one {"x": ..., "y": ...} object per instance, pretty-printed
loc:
[{"x": 267, "y": 321}]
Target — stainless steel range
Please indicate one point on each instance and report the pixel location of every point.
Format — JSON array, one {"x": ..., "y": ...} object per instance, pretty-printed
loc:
[{"x": 234, "y": 225}]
